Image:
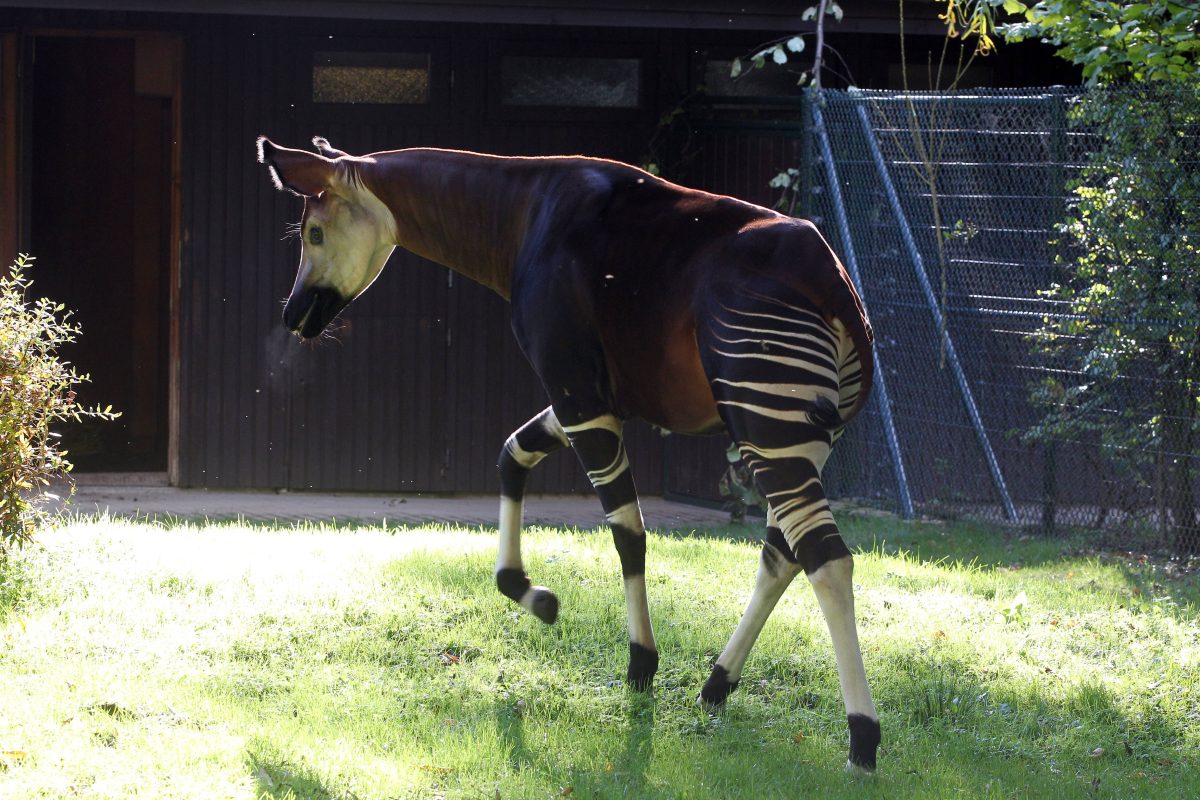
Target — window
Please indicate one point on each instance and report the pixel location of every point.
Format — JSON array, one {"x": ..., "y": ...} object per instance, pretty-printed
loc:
[
  {"x": 571, "y": 81},
  {"x": 371, "y": 78}
]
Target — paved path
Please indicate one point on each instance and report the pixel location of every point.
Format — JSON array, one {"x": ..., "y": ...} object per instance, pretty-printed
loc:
[{"x": 147, "y": 495}]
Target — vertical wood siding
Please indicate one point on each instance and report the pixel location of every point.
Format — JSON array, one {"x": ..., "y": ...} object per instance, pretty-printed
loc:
[{"x": 422, "y": 381}]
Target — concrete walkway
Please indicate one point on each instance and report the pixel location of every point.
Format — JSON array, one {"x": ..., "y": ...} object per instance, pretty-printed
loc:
[{"x": 147, "y": 495}]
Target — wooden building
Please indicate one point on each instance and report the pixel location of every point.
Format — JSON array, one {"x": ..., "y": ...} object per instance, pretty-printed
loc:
[{"x": 127, "y": 167}]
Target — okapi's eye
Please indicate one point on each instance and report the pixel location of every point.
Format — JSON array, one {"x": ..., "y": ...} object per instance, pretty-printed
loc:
[{"x": 315, "y": 235}]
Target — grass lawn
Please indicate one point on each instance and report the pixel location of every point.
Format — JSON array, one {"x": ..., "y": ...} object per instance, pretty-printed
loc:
[{"x": 227, "y": 660}]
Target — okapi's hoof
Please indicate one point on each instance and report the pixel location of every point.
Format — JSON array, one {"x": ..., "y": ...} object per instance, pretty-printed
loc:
[
  {"x": 716, "y": 689},
  {"x": 544, "y": 605},
  {"x": 864, "y": 743},
  {"x": 643, "y": 664}
]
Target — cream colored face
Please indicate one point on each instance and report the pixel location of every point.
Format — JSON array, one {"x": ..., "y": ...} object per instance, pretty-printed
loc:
[{"x": 348, "y": 234}]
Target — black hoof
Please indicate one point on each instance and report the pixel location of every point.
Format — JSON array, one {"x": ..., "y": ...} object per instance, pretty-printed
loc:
[
  {"x": 643, "y": 663},
  {"x": 717, "y": 688},
  {"x": 513, "y": 583},
  {"x": 864, "y": 741},
  {"x": 544, "y": 605}
]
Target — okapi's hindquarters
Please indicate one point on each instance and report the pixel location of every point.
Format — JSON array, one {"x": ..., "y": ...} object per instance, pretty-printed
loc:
[{"x": 782, "y": 376}]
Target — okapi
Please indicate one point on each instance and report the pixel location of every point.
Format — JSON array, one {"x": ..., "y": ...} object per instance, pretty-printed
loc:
[{"x": 631, "y": 297}]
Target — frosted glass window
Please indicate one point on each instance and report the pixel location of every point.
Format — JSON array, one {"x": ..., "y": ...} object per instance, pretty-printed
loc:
[
  {"x": 570, "y": 81},
  {"x": 374, "y": 78}
]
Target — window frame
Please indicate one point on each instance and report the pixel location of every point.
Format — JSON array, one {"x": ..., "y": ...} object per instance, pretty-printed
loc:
[
  {"x": 436, "y": 106},
  {"x": 499, "y": 111}
]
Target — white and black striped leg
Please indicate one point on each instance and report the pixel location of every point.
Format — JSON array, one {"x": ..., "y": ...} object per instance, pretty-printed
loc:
[
  {"x": 777, "y": 567},
  {"x": 793, "y": 487},
  {"x": 832, "y": 582},
  {"x": 532, "y": 442},
  {"x": 598, "y": 443}
]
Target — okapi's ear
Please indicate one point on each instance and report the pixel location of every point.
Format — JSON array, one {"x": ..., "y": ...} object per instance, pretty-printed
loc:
[
  {"x": 299, "y": 171},
  {"x": 326, "y": 149}
]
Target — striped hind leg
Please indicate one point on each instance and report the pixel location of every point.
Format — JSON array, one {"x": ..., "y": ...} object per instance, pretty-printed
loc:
[
  {"x": 776, "y": 569},
  {"x": 598, "y": 442},
  {"x": 780, "y": 374},
  {"x": 532, "y": 442},
  {"x": 802, "y": 534}
]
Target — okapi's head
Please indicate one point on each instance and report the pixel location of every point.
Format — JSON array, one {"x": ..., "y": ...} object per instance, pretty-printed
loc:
[{"x": 347, "y": 233}]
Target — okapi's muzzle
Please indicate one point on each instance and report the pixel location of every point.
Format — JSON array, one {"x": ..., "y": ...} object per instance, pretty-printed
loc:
[{"x": 309, "y": 310}]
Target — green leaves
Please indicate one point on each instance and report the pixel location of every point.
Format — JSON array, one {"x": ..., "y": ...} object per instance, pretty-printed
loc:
[
  {"x": 781, "y": 51},
  {"x": 1124, "y": 344},
  {"x": 35, "y": 391},
  {"x": 1114, "y": 42}
]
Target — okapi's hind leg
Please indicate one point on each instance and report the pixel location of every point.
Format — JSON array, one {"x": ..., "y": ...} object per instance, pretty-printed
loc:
[
  {"x": 807, "y": 538},
  {"x": 781, "y": 374},
  {"x": 776, "y": 569},
  {"x": 598, "y": 443},
  {"x": 532, "y": 442}
]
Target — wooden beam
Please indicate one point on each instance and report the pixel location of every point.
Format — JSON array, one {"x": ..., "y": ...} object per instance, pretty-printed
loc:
[
  {"x": 863, "y": 16},
  {"x": 9, "y": 208}
]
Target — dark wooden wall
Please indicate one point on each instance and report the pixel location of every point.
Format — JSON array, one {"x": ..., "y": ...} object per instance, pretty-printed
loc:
[{"x": 423, "y": 381}]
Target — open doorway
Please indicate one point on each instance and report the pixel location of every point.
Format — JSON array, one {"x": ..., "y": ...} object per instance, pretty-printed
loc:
[{"x": 99, "y": 153}]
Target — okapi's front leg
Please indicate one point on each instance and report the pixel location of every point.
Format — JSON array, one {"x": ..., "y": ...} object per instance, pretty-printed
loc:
[
  {"x": 532, "y": 442},
  {"x": 598, "y": 443}
]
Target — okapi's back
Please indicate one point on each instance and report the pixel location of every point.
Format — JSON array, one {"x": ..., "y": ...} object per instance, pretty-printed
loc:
[{"x": 661, "y": 254}]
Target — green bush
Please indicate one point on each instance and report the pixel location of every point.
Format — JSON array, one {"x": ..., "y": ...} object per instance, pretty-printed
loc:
[
  {"x": 35, "y": 392},
  {"x": 1129, "y": 337}
]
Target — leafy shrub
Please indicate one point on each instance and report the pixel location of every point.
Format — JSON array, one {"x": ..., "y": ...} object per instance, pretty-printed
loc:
[
  {"x": 35, "y": 392},
  {"x": 1129, "y": 335}
]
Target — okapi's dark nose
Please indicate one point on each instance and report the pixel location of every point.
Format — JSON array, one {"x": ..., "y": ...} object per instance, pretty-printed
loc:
[{"x": 309, "y": 310}]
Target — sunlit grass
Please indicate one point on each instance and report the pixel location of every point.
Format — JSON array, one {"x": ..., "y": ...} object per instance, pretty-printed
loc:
[{"x": 207, "y": 661}]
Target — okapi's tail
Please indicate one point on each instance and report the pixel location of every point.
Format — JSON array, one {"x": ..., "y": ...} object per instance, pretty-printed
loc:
[
  {"x": 823, "y": 412},
  {"x": 854, "y": 317},
  {"x": 823, "y": 279}
]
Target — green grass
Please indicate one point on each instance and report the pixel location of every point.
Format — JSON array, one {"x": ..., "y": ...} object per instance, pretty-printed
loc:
[{"x": 209, "y": 661}]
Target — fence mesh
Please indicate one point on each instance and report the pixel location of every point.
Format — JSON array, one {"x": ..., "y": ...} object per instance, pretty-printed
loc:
[{"x": 1030, "y": 264}]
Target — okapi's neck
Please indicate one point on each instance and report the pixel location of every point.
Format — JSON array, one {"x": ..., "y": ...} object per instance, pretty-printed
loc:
[{"x": 466, "y": 211}]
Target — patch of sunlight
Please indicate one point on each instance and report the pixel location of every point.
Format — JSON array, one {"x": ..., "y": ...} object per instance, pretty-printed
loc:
[{"x": 134, "y": 598}]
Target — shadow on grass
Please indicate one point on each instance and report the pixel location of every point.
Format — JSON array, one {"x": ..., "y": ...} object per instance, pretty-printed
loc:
[
  {"x": 639, "y": 744},
  {"x": 278, "y": 778},
  {"x": 510, "y": 726}
]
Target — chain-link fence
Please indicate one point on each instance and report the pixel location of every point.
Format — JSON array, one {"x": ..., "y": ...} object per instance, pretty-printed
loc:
[{"x": 1031, "y": 263}]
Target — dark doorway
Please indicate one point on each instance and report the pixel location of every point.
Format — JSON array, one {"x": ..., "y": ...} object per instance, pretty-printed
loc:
[{"x": 100, "y": 150}]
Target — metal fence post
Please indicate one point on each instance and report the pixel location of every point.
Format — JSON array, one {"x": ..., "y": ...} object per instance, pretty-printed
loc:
[
  {"x": 918, "y": 263},
  {"x": 839, "y": 211}
]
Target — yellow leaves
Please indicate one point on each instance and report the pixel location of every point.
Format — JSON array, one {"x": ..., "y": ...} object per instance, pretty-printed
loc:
[
  {"x": 967, "y": 18},
  {"x": 12, "y": 758}
]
